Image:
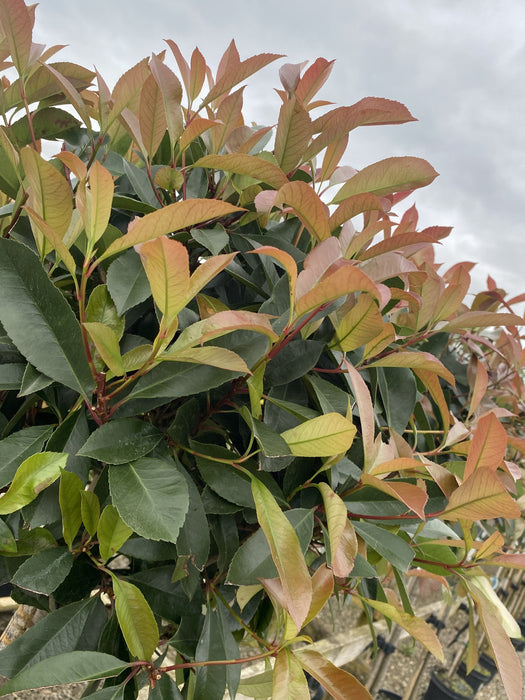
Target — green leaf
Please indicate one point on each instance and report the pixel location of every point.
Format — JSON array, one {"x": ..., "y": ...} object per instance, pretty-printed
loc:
[
  {"x": 106, "y": 342},
  {"x": 289, "y": 681},
  {"x": 165, "y": 598},
  {"x": 69, "y": 497},
  {"x": 270, "y": 442},
  {"x": 259, "y": 686},
  {"x": 253, "y": 560},
  {"x": 102, "y": 309},
  {"x": 136, "y": 619},
  {"x": 33, "y": 381},
  {"x": 172, "y": 380},
  {"x": 49, "y": 123},
  {"x": 15, "y": 448},
  {"x": 90, "y": 509},
  {"x": 214, "y": 239},
  {"x": 294, "y": 361},
  {"x": 398, "y": 392},
  {"x": 165, "y": 689},
  {"x": 286, "y": 553},
  {"x": 121, "y": 440},
  {"x": 216, "y": 643},
  {"x": 151, "y": 497},
  {"x": 243, "y": 164},
  {"x": 72, "y": 667},
  {"x": 7, "y": 540},
  {"x": 34, "y": 475},
  {"x": 324, "y": 436},
  {"x": 194, "y": 536},
  {"x": 127, "y": 281},
  {"x": 110, "y": 693},
  {"x": 44, "y": 571},
  {"x": 11, "y": 376},
  {"x": 393, "y": 548},
  {"x": 56, "y": 633},
  {"x": 33, "y": 307},
  {"x": 229, "y": 483},
  {"x": 112, "y": 532}
]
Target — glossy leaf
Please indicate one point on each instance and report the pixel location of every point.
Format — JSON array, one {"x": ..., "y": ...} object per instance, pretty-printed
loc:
[
  {"x": 360, "y": 325},
  {"x": 71, "y": 667},
  {"x": 107, "y": 344},
  {"x": 59, "y": 352},
  {"x": 36, "y": 473},
  {"x": 151, "y": 497},
  {"x": 481, "y": 497},
  {"x": 488, "y": 446},
  {"x": 90, "y": 509},
  {"x": 69, "y": 496},
  {"x": 340, "y": 684},
  {"x": 324, "y": 436},
  {"x": 390, "y": 546},
  {"x": 135, "y": 619},
  {"x": 99, "y": 203},
  {"x": 15, "y": 448},
  {"x": 112, "y": 532},
  {"x": 286, "y": 553},
  {"x": 127, "y": 281},
  {"x": 166, "y": 264}
]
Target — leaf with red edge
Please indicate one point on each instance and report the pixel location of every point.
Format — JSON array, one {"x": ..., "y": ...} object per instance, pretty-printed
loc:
[
  {"x": 342, "y": 279},
  {"x": 488, "y": 446},
  {"x": 244, "y": 164},
  {"x": 313, "y": 80},
  {"x": 294, "y": 130},
  {"x": 229, "y": 116},
  {"x": 482, "y": 319},
  {"x": 286, "y": 553},
  {"x": 166, "y": 263},
  {"x": 451, "y": 299},
  {"x": 416, "y": 360},
  {"x": 289, "y": 681},
  {"x": 171, "y": 94},
  {"x": 507, "y": 660},
  {"x": 368, "y": 111},
  {"x": 411, "y": 495},
  {"x": 332, "y": 156},
  {"x": 396, "y": 174},
  {"x": 402, "y": 241},
  {"x": 340, "y": 535},
  {"x": 322, "y": 589},
  {"x": 18, "y": 30},
  {"x": 152, "y": 118},
  {"x": 340, "y": 684},
  {"x": 431, "y": 381},
  {"x": 174, "y": 217},
  {"x": 235, "y": 71},
  {"x": 354, "y": 205},
  {"x": 481, "y": 497},
  {"x": 308, "y": 206}
]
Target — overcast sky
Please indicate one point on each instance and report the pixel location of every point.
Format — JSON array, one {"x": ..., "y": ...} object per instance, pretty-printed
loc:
[{"x": 458, "y": 65}]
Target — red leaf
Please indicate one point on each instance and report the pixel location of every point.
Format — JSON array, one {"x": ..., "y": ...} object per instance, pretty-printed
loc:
[
  {"x": 294, "y": 130},
  {"x": 481, "y": 497},
  {"x": 313, "y": 80},
  {"x": 310, "y": 209},
  {"x": 488, "y": 446}
]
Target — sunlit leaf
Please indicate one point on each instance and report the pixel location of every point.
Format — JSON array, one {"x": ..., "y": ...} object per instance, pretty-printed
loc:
[
  {"x": 135, "y": 618},
  {"x": 69, "y": 497},
  {"x": 18, "y": 29},
  {"x": 340, "y": 684},
  {"x": 308, "y": 207},
  {"x": 243, "y": 164},
  {"x": 34, "y": 475},
  {"x": 324, "y": 436},
  {"x": 411, "y": 495},
  {"x": 99, "y": 203},
  {"x": 415, "y": 360},
  {"x": 482, "y": 319},
  {"x": 112, "y": 532},
  {"x": 359, "y": 326},
  {"x": 289, "y": 681},
  {"x": 481, "y": 497},
  {"x": 171, "y": 95}
]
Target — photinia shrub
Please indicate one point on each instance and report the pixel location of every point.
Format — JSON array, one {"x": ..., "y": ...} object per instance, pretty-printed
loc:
[{"x": 234, "y": 384}]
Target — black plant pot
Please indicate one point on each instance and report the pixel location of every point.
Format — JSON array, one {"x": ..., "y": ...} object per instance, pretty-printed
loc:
[
  {"x": 443, "y": 688},
  {"x": 488, "y": 662},
  {"x": 387, "y": 695},
  {"x": 476, "y": 677}
]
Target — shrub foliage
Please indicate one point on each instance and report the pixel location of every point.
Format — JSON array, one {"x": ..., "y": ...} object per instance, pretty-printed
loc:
[{"x": 234, "y": 384}]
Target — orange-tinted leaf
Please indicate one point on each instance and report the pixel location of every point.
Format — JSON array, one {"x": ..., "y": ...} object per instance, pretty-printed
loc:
[
  {"x": 195, "y": 128},
  {"x": 360, "y": 325},
  {"x": 99, "y": 207},
  {"x": 222, "y": 323},
  {"x": 416, "y": 360},
  {"x": 482, "y": 319},
  {"x": 399, "y": 242},
  {"x": 480, "y": 386},
  {"x": 18, "y": 30},
  {"x": 492, "y": 544},
  {"x": 49, "y": 194},
  {"x": 171, "y": 92},
  {"x": 294, "y": 130},
  {"x": 322, "y": 587},
  {"x": 481, "y": 497},
  {"x": 244, "y": 164},
  {"x": 131, "y": 123},
  {"x": 54, "y": 240},
  {"x": 352, "y": 206},
  {"x": 450, "y": 300},
  {"x": 229, "y": 116},
  {"x": 126, "y": 93},
  {"x": 507, "y": 660},
  {"x": 488, "y": 446},
  {"x": 184, "y": 68},
  {"x": 332, "y": 156},
  {"x": 340, "y": 684},
  {"x": 174, "y": 217},
  {"x": 236, "y": 71},
  {"x": 289, "y": 264},
  {"x": 197, "y": 74},
  {"x": 308, "y": 206},
  {"x": 209, "y": 355},
  {"x": 397, "y": 465},
  {"x": 415, "y": 626},
  {"x": 345, "y": 278},
  {"x": 106, "y": 342},
  {"x": 380, "y": 342},
  {"x": 313, "y": 80},
  {"x": 411, "y": 495},
  {"x": 342, "y": 557},
  {"x": 323, "y": 436},
  {"x": 72, "y": 94},
  {"x": 286, "y": 553},
  {"x": 289, "y": 681},
  {"x": 397, "y": 174},
  {"x": 366, "y": 412},
  {"x": 207, "y": 271},
  {"x": 152, "y": 117},
  {"x": 368, "y": 111},
  {"x": 431, "y": 381},
  {"x": 166, "y": 263},
  {"x": 511, "y": 561},
  {"x": 73, "y": 163}
]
